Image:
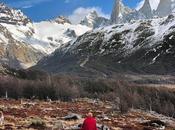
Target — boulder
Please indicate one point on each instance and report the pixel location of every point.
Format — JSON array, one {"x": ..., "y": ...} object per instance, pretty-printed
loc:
[
  {"x": 58, "y": 125},
  {"x": 155, "y": 123},
  {"x": 72, "y": 116}
]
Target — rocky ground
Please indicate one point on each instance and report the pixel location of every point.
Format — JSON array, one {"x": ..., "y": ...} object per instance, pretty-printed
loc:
[{"x": 53, "y": 115}]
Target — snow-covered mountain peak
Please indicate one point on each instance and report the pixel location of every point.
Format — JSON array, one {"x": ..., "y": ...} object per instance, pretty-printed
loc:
[
  {"x": 93, "y": 20},
  {"x": 150, "y": 9},
  {"x": 159, "y": 8},
  {"x": 146, "y": 9},
  {"x": 154, "y": 4},
  {"x": 23, "y": 43},
  {"x": 50, "y": 35},
  {"x": 92, "y": 15},
  {"x": 62, "y": 20},
  {"x": 2, "y": 5},
  {"x": 165, "y": 7},
  {"x": 119, "y": 11},
  {"x": 12, "y": 16},
  {"x": 90, "y": 19},
  {"x": 142, "y": 45}
]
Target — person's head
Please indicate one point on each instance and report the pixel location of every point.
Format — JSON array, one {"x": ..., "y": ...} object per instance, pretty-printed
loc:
[{"x": 89, "y": 114}]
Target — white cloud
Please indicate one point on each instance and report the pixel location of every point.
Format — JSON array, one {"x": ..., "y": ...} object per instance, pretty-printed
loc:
[
  {"x": 27, "y": 6},
  {"x": 27, "y": 3},
  {"x": 79, "y": 13},
  {"x": 154, "y": 4}
]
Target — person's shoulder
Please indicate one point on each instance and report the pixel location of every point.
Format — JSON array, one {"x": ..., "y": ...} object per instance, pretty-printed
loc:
[
  {"x": 93, "y": 118},
  {"x": 90, "y": 118},
  {"x": 86, "y": 119}
]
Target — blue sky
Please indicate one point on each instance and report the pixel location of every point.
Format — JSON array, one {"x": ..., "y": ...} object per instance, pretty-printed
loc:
[{"x": 39, "y": 10}]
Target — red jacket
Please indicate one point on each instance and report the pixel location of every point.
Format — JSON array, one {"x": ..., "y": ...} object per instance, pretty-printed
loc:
[{"x": 89, "y": 124}]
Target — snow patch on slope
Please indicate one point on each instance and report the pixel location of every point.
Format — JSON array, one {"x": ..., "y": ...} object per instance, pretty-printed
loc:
[
  {"x": 45, "y": 36},
  {"x": 51, "y": 35},
  {"x": 158, "y": 28}
]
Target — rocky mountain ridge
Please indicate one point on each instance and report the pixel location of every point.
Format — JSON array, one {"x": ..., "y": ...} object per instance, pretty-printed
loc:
[
  {"x": 23, "y": 43},
  {"x": 123, "y": 14},
  {"x": 143, "y": 46},
  {"x": 13, "y": 52},
  {"x": 12, "y": 16},
  {"x": 92, "y": 20}
]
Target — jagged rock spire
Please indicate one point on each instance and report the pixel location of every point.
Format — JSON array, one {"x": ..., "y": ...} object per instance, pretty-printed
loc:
[
  {"x": 119, "y": 11},
  {"x": 146, "y": 9},
  {"x": 90, "y": 19},
  {"x": 93, "y": 20},
  {"x": 165, "y": 7},
  {"x": 62, "y": 20},
  {"x": 115, "y": 12}
]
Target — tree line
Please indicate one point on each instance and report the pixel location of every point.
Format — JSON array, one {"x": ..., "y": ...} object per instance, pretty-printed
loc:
[{"x": 124, "y": 94}]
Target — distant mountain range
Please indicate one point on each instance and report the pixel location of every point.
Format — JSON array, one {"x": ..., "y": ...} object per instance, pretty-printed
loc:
[
  {"x": 143, "y": 46},
  {"x": 23, "y": 43},
  {"x": 122, "y": 13},
  {"x": 134, "y": 41}
]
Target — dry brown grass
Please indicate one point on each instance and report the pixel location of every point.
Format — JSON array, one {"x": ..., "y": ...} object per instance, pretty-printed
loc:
[{"x": 19, "y": 114}]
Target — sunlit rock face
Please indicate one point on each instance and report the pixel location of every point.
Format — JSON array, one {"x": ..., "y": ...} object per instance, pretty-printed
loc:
[
  {"x": 146, "y": 9},
  {"x": 165, "y": 7},
  {"x": 12, "y": 16},
  {"x": 93, "y": 20},
  {"x": 119, "y": 12}
]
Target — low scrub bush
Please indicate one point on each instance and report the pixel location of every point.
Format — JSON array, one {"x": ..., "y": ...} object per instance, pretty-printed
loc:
[
  {"x": 124, "y": 94},
  {"x": 37, "y": 123}
]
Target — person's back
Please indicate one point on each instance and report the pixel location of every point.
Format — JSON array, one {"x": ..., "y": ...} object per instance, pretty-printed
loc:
[{"x": 89, "y": 123}]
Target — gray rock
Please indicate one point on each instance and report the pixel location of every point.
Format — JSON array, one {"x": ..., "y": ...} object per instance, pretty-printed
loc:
[
  {"x": 72, "y": 116},
  {"x": 102, "y": 127},
  {"x": 58, "y": 125}
]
